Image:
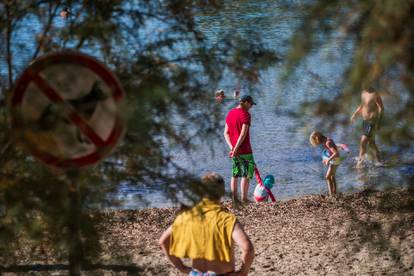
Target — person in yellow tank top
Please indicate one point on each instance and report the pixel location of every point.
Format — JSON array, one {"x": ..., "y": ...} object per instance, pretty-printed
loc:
[{"x": 206, "y": 234}]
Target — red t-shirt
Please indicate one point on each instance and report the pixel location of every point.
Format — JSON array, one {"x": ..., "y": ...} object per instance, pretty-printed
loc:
[{"x": 235, "y": 120}]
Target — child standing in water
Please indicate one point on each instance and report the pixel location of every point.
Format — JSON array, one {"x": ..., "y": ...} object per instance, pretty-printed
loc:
[{"x": 330, "y": 157}]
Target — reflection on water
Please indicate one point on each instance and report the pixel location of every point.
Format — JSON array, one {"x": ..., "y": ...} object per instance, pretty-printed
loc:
[{"x": 280, "y": 140}]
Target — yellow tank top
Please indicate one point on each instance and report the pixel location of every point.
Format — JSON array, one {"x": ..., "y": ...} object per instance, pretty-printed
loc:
[{"x": 204, "y": 232}]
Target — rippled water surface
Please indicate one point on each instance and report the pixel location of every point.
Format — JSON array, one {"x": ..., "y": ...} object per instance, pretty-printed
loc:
[{"x": 280, "y": 140}]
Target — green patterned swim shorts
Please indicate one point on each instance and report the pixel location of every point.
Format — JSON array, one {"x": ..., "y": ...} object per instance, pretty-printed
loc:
[{"x": 243, "y": 166}]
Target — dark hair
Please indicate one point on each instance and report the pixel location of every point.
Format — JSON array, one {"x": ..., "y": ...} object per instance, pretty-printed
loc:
[
  {"x": 369, "y": 89},
  {"x": 247, "y": 98}
]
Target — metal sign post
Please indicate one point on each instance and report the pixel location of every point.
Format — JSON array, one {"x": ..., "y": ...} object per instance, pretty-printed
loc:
[{"x": 75, "y": 211}]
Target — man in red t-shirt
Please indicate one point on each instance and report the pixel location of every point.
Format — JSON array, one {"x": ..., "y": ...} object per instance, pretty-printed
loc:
[{"x": 236, "y": 133}]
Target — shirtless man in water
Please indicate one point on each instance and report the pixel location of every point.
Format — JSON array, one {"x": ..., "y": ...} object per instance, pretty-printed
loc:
[{"x": 371, "y": 110}]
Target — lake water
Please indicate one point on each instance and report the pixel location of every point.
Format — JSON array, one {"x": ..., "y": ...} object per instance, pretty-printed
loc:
[{"x": 279, "y": 139}]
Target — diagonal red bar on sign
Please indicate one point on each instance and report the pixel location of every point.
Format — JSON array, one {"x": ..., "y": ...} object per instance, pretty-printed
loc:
[
  {"x": 46, "y": 88},
  {"x": 73, "y": 116},
  {"x": 86, "y": 129}
]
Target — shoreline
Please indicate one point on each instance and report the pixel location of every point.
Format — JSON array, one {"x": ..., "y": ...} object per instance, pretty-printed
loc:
[
  {"x": 365, "y": 233},
  {"x": 354, "y": 234}
]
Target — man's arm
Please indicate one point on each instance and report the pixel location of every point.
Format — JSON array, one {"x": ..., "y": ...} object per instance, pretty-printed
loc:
[
  {"x": 164, "y": 242},
  {"x": 242, "y": 240},
  {"x": 227, "y": 136},
  {"x": 379, "y": 104},
  {"x": 242, "y": 136},
  {"x": 357, "y": 111}
]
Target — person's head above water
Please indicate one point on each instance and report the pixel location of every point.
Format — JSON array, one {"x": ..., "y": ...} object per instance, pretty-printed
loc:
[
  {"x": 220, "y": 92},
  {"x": 213, "y": 185},
  {"x": 220, "y": 95},
  {"x": 316, "y": 138},
  {"x": 65, "y": 13}
]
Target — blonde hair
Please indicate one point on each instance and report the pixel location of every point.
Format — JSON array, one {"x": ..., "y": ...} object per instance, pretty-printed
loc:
[
  {"x": 214, "y": 185},
  {"x": 316, "y": 138}
]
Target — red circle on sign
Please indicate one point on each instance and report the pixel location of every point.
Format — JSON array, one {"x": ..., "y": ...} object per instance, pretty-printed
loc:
[{"x": 41, "y": 85}]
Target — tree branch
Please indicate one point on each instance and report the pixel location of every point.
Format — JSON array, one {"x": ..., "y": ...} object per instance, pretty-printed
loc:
[
  {"x": 8, "y": 44},
  {"x": 46, "y": 29}
]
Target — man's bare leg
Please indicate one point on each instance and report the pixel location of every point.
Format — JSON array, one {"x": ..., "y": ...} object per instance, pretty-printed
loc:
[
  {"x": 375, "y": 148},
  {"x": 244, "y": 183},
  {"x": 233, "y": 187},
  {"x": 362, "y": 150}
]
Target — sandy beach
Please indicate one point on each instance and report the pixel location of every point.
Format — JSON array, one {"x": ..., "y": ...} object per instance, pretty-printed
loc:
[{"x": 366, "y": 233}]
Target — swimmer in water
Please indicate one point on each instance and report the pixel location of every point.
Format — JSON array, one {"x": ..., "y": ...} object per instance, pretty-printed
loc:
[
  {"x": 65, "y": 13},
  {"x": 220, "y": 96},
  {"x": 332, "y": 160}
]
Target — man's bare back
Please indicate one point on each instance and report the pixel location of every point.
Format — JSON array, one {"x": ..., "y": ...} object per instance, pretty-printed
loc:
[{"x": 218, "y": 267}]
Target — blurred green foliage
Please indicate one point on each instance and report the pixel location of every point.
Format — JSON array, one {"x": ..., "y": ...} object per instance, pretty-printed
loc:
[
  {"x": 381, "y": 36},
  {"x": 169, "y": 71}
]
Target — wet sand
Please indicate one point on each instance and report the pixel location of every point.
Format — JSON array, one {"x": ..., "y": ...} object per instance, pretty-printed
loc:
[{"x": 366, "y": 233}]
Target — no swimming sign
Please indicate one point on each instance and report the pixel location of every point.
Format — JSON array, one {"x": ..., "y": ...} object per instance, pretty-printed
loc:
[{"x": 65, "y": 110}]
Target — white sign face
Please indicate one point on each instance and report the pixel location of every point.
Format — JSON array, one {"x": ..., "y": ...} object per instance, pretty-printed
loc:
[{"x": 66, "y": 110}]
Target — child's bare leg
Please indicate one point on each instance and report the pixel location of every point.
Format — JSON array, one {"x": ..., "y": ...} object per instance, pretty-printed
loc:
[
  {"x": 233, "y": 187},
  {"x": 333, "y": 180},
  {"x": 244, "y": 183},
  {"x": 328, "y": 178},
  {"x": 328, "y": 183},
  {"x": 334, "y": 185}
]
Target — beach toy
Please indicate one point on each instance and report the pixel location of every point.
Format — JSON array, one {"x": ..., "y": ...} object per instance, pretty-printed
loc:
[
  {"x": 269, "y": 181},
  {"x": 343, "y": 154},
  {"x": 262, "y": 191}
]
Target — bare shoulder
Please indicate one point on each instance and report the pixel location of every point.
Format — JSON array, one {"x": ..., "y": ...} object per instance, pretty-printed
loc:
[{"x": 367, "y": 97}]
